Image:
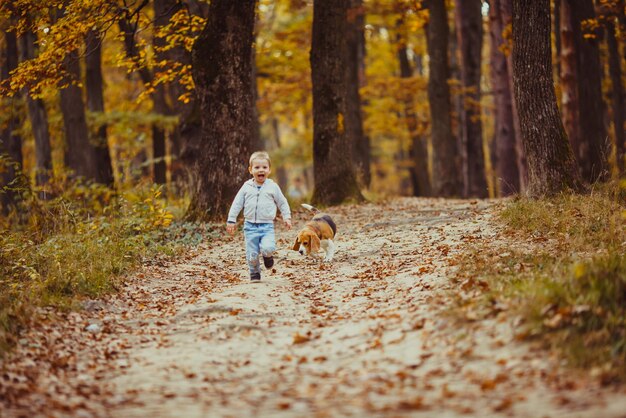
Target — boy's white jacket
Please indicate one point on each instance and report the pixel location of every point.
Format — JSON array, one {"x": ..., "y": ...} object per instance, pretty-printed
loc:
[{"x": 259, "y": 205}]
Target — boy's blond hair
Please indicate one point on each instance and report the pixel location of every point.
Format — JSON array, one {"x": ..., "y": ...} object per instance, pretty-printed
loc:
[{"x": 260, "y": 155}]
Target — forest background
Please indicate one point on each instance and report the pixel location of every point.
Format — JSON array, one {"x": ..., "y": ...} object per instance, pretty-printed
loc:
[
  {"x": 120, "y": 74},
  {"x": 109, "y": 134}
]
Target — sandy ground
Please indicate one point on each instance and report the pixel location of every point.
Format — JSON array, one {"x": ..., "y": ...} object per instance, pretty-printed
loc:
[{"x": 370, "y": 334}]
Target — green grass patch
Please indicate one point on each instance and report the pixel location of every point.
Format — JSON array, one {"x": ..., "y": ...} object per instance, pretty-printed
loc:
[
  {"x": 563, "y": 271},
  {"x": 59, "y": 252}
]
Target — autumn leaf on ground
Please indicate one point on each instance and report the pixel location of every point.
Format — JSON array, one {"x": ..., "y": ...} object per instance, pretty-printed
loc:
[{"x": 299, "y": 338}]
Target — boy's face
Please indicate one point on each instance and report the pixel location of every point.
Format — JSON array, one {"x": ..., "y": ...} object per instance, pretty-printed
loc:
[{"x": 260, "y": 169}]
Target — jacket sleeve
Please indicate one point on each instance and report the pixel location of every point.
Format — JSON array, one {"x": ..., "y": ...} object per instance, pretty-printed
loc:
[
  {"x": 236, "y": 206},
  {"x": 282, "y": 203}
]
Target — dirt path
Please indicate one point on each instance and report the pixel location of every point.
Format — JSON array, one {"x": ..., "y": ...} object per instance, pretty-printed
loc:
[{"x": 368, "y": 335}]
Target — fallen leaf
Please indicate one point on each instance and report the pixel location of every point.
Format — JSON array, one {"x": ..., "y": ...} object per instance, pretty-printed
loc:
[{"x": 299, "y": 339}]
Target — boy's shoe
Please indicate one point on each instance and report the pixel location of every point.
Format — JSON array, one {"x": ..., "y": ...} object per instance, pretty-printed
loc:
[
  {"x": 268, "y": 261},
  {"x": 255, "y": 277}
]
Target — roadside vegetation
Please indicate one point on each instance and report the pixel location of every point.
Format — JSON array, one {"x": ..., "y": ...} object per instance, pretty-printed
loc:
[
  {"x": 80, "y": 244},
  {"x": 563, "y": 273}
]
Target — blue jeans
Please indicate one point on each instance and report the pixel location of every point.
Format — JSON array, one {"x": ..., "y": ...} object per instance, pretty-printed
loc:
[{"x": 259, "y": 241}]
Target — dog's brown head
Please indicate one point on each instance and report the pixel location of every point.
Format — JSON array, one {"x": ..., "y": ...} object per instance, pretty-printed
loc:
[{"x": 307, "y": 242}]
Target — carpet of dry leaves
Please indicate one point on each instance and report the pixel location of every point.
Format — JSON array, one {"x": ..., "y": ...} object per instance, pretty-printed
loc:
[{"x": 370, "y": 334}]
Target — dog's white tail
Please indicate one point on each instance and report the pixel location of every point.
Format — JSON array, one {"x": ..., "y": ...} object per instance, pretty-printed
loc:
[{"x": 309, "y": 207}]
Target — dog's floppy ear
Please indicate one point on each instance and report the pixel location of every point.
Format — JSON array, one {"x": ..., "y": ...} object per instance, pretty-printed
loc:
[
  {"x": 315, "y": 243},
  {"x": 296, "y": 245}
]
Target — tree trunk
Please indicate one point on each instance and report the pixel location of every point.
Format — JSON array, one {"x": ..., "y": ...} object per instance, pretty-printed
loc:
[
  {"x": 80, "y": 155},
  {"x": 506, "y": 11},
  {"x": 257, "y": 142},
  {"x": 420, "y": 180},
  {"x": 10, "y": 141},
  {"x": 159, "y": 107},
  {"x": 190, "y": 129},
  {"x": 95, "y": 104},
  {"x": 197, "y": 7},
  {"x": 570, "y": 102},
  {"x": 445, "y": 179},
  {"x": 163, "y": 11},
  {"x": 130, "y": 48},
  {"x": 356, "y": 79},
  {"x": 335, "y": 175},
  {"x": 222, "y": 73},
  {"x": 551, "y": 164},
  {"x": 175, "y": 89},
  {"x": 159, "y": 103},
  {"x": 505, "y": 155},
  {"x": 456, "y": 97},
  {"x": 469, "y": 22},
  {"x": 593, "y": 148},
  {"x": 617, "y": 94},
  {"x": 39, "y": 124},
  {"x": 281, "y": 173},
  {"x": 557, "y": 34}
]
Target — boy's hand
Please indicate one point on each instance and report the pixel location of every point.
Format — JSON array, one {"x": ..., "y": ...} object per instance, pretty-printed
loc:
[
  {"x": 230, "y": 228},
  {"x": 288, "y": 223}
]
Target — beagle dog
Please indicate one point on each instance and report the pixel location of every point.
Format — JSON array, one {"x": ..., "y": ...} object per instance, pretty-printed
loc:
[{"x": 319, "y": 232}]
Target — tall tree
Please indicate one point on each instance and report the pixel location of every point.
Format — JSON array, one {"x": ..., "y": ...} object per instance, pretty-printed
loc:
[
  {"x": 80, "y": 154},
  {"x": 222, "y": 73},
  {"x": 445, "y": 179},
  {"x": 570, "y": 101},
  {"x": 128, "y": 27},
  {"x": 334, "y": 171},
  {"x": 163, "y": 11},
  {"x": 505, "y": 155},
  {"x": 506, "y": 12},
  {"x": 184, "y": 109},
  {"x": 551, "y": 164},
  {"x": 456, "y": 97},
  {"x": 420, "y": 179},
  {"x": 469, "y": 30},
  {"x": 273, "y": 145},
  {"x": 592, "y": 150},
  {"x": 257, "y": 143},
  {"x": 356, "y": 79},
  {"x": 557, "y": 34},
  {"x": 39, "y": 122},
  {"x": 95, "y": 104},
  {"x": 10, "y": 141},
  {"x": 618, "y": 105}
]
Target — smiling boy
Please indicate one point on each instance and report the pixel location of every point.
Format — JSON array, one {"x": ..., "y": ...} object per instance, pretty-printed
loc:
[{"x": 259, "y": 198}]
